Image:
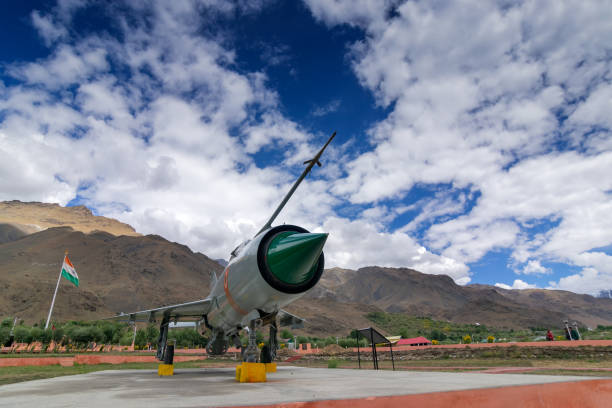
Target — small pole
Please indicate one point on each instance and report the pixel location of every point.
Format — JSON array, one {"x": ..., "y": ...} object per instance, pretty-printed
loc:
[
  {"x": 358, "y": 355},
  {"x": 392, "y": 361},
  {"x": 374, "y": 356},
  {"x": 134, "y": 338},
  {"x": 55, "y": 293}
]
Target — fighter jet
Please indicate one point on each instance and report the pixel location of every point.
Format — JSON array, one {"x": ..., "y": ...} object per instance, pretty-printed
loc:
[{"x": 264, "y": 274}]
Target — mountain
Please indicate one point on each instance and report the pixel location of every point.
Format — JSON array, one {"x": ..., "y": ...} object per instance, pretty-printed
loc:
[
  {"x": 11, "y": 232},
  {"x": 221, "y": 262},
  {"x": 605, "y": 294},
  {"x": 437, "y": 296},
  {"x": 116, "y": 273},
  {"x": 34, "y": 216},
  {"x": 126, "y": 272}
]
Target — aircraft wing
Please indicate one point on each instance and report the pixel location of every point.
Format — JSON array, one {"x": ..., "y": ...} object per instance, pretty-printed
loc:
[
  {"x": 287, "y": 319},
  {"x": 190, "y": 311}
]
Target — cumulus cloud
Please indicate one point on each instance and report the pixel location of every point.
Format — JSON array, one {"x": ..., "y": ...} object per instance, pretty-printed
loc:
[
  {"x": 535, "y": 267},
  {"x": 359, "y": 243},
  {"x": 518, "y": 284},
  {"x": 503, "y": 100},
  {"x": 501, "y": 110},
  {"x": 156, "y": 127}
]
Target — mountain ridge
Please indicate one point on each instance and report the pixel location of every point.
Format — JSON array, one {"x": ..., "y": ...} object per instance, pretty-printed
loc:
[{"x": 134, "y": 272}]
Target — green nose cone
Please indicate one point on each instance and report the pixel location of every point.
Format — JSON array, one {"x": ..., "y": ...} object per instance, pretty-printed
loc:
[{"x": 292, "y": 257}]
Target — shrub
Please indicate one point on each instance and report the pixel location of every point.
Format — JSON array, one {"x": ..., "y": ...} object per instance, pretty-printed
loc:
[
  {"x": 332, "y": 364},
  {"x": 22, "y": 335},
  {"x": 81, "y": 335},
  {"x": 57, "y": 334},
  {"x": 36, "y": 333},
  {"x": 126, "y": 339},
  {"x": 438, "y": 335},
  {"x": 490, "y": 339},
  {"x": 434, "y": 342},
  {"x": 4, "y": 335},
  {"x": 467, "y": 339},
  {"x": 141, "y": 338},
  {"x": 152, "y": 334}
]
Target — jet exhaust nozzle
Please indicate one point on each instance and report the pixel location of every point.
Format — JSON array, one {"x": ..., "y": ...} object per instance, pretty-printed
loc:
[{"x": 291, "y": 259}]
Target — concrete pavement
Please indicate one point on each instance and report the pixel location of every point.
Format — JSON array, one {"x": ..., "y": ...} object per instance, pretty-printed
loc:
[{"x": 208, "y": 387}]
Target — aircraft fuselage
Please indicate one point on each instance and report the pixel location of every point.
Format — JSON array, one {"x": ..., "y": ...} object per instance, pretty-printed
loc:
[{"x": 262, "y": 278}]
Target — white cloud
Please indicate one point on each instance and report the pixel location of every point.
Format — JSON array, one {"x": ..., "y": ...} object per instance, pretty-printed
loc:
[
  {"x": 518, "y": 284},
  {"x": 534, "y": 267},
  {"x": 359, "y": 243},
  {"x": 589, "y": 280},
  {"x": 506, "y": 107},
  {"x": 326, "y": 109},
  {"x": 152, "y": 147},
  {"x": 507, "y": 101},
  {"x": 68, "y": 65},
  {"x": 47, "y": 28}
]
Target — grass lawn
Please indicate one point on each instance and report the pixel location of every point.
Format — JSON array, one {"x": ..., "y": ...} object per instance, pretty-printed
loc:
[{"x": 551, "y": 367}]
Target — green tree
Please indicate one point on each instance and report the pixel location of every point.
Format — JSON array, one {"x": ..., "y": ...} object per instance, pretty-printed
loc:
[
  {"x": 96, "y": 333},
  {"x": 152, "y": 334},
  {"x": 437, "y": 335},
  {"x": 126, "y": 339},
  {"x": 46, "y": 336},
  {"x": 109, "y": 329},
  {"x": 57, "y": 334},
  {"x": 36, "y": 333},
  {"x": 22, "y": 334},
  {"x": 82, "y": 335},
  {"x": 286, "y": 334},
  {"x": 141, "y": 338},
  {"x": 8, "y": 322},
  {"x": 5, "y": 335}
]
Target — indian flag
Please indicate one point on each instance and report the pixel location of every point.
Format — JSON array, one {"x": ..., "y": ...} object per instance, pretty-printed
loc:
[{"x": 69, "y": 272}]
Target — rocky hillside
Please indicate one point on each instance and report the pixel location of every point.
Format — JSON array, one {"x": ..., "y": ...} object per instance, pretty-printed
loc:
[
  {"x": 34, "y": 217},
  {"x": 116, "y": 273},
  {"x": 437, "y": 296},
  {"x": 125, "y": 272}
]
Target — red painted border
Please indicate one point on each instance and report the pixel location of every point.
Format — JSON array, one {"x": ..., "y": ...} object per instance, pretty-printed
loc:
[{"x": 580, "y": 394}]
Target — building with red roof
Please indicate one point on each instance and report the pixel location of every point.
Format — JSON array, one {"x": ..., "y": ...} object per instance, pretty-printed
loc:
[{"x": 417, "y": 341}]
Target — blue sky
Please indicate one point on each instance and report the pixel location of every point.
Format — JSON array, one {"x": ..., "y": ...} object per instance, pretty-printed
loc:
[{"x": 473, "y": 138}]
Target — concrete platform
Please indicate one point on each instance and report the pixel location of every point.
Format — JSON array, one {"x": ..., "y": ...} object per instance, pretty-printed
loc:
[{"x": 217, "y": 387}]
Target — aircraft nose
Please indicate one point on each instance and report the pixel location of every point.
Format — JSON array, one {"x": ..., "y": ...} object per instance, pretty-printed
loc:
[{"x": 292, "y": 257}]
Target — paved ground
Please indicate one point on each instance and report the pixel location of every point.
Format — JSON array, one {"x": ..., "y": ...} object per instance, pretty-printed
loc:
[{"x": 217, "y": 387}]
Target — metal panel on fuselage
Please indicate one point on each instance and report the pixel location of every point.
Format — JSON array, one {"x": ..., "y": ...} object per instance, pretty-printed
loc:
[{"x": 241, "y": 291}]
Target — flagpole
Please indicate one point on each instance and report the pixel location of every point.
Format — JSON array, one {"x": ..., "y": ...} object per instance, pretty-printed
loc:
[{"x": 55, "y": 294}]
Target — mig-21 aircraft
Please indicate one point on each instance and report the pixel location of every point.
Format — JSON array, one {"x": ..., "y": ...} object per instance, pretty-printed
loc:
[{"x": 264, "y": 274}]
